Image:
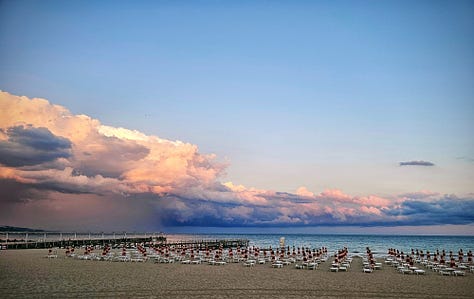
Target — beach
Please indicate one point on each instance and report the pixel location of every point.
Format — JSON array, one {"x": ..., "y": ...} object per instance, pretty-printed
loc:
[{"x": 28, "y": 274}]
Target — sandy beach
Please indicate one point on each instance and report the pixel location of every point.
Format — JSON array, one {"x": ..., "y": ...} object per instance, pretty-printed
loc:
[{"x": 28, "y": 274}]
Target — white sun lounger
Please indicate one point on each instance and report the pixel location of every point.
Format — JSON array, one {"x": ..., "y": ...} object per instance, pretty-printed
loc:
[
  {"x": 419, "y": 272},
  {"x": 459, "y": 273}
]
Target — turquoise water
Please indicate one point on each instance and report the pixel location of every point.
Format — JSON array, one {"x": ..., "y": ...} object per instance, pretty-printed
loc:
[{"x": 355, "y": 243}]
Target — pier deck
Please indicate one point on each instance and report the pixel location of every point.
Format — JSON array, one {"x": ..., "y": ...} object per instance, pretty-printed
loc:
[{"x": 22, "y": 240}]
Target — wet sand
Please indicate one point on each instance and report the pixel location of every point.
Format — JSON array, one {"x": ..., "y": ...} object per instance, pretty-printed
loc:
[{"x": 27, "y": 274}]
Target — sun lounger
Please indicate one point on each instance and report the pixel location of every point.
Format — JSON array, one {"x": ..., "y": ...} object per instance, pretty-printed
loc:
[
  {"x": 343, "y": 268},
  {"x": 367, "y": 270},
  {"x": 419, "y": 272},
  {"x": 406, "y": 271},
  {"x": 459, "y": 273},
  {"x": 277, "y": 265},
  {"x": 249, "y": 263}
]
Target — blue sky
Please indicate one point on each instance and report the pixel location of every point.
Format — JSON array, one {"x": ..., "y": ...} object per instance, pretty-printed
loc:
[{"x": 320, "y": 94}]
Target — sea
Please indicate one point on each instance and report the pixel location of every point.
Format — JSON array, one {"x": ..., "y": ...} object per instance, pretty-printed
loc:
[{"x": 356, "y": 244}]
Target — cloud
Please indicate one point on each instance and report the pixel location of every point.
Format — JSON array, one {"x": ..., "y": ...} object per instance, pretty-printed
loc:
[
  {"x": 447, "y": 209},
  {"x": 28, "y": 146},
  {"x": 59, "y": 170},
  {"x": 416, "y": 163},
  {"x": 137, "y": 162},
  {"x": 302, "y": 191},
  {"x": 419, "y": 195},
  {"x": 336, "y": 195}
]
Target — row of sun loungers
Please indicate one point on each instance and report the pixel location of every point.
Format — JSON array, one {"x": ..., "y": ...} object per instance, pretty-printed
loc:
[
  {"x": 413, "y": 265},
  {"x": 251, "y": 258},
  {"x": 199, "y": 257}
]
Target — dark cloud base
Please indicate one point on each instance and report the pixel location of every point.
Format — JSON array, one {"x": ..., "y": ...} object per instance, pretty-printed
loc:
[
  {"x": 447, "y": 210},
  {"x": 28, "y": 146}
]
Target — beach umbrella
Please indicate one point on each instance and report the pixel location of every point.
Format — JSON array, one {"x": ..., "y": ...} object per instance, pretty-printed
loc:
[
  {"x": 469, "y": 256},
  {"x": 452, "y": 262}
]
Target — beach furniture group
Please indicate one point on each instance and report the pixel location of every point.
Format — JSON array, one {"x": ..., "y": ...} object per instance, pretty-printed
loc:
[
  {"x": 415, "y": 262},
  {"x": 418, "y": 262}
]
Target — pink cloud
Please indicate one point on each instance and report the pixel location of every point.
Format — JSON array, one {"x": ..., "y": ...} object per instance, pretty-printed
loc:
[
  {"x": 136, "y": 161},
  {"x": 419, "y": 195},
  {"x": 370, "y": 210},
  {"x": 335, "y": 194},
  {"x": 374, "y": 201},
  {"x": 302, "y": 191}
]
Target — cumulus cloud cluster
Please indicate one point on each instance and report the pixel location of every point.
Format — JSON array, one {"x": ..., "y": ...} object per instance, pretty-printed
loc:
[{"x": 70, "y": 171}]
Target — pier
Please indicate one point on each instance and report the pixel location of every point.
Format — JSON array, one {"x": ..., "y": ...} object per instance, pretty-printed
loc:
[{"x": 29, "y": 240}]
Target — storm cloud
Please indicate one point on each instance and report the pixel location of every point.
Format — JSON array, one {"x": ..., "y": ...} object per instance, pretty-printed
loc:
[{"x": 28, "y": 146}]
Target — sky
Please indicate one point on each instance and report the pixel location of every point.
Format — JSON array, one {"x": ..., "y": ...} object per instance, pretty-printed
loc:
[{"x": 238, "y": 115}]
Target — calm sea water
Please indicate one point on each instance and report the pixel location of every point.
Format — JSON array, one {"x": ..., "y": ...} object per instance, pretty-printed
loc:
[{"x": 355, "y": 243}]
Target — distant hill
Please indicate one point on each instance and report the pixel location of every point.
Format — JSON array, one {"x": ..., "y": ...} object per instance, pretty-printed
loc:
[{"x": 7, "y": 228}]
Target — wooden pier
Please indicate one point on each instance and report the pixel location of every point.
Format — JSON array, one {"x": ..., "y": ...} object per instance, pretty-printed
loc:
[{"x": 23, "y": 240}]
